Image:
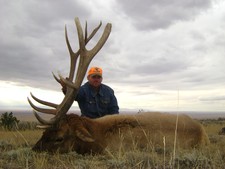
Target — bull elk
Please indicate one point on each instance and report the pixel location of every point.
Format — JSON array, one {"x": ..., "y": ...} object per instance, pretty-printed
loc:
[{"x": 70, "y": 132}]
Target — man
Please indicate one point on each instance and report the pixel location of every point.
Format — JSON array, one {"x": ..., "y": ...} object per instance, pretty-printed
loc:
[{"x": 94, "y": 98}]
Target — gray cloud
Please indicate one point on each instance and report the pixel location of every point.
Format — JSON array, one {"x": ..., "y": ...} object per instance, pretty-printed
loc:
[
  {"x": 30, "y": 45},
  {"x": 150, "y": 14},
  {"x": 153, "y": 46}
]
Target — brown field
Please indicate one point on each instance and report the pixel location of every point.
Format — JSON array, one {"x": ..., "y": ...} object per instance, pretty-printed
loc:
[{"x": 16, "y": 153}]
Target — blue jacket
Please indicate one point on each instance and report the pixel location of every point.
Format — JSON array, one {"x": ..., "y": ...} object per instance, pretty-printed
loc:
[{"x": 94, "y": 105}]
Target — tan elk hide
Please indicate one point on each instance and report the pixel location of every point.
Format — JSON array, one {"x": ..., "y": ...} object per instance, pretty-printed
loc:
[
  {"x": 69, "y": 132},
  {"x": 139, "y": 131}
]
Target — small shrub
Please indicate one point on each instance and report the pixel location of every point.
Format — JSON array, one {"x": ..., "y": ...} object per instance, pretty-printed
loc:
[{"x": 8, "y": 121}]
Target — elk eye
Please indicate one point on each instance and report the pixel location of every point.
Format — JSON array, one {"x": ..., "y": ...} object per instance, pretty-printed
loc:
[{"x": 59, "y": 140}]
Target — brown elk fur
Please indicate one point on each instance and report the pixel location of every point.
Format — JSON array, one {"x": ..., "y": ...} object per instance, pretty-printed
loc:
[{"x": 115, "y": 132}]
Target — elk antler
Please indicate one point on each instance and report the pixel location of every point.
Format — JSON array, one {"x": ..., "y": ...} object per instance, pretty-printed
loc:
[{"x": 72, "y": 86}]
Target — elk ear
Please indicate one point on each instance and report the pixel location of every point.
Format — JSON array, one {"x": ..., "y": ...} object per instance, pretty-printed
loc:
[{"x": 84, "y": 135}]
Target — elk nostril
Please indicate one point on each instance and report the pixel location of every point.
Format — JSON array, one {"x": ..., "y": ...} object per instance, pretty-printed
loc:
[{"x": 59, "y": 140}]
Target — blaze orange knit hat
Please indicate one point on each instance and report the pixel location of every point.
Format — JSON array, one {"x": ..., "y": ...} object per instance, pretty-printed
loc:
[{"x": 95, "y": 71}]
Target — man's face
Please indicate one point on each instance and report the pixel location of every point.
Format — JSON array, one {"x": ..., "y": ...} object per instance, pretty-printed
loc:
[{"x": 95, "y": 80}]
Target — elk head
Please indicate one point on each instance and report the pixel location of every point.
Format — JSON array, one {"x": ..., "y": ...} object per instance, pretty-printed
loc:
[{"x": 58, "y": 135}]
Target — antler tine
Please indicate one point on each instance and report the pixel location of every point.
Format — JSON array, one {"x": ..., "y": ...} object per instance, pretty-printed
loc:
[
  {"x": 86, "y": 33},
  {"x": 42, "y": 121},
  {"x": 42, "y": 110},
  {"x": 102, "y": 40},
  {"x": 93, "y": 32},
  {"x": 80, "y": 35},
  {"x": 67, "y": 82},
  {"x": 56, "y": 78},
  {"x": 73, "y": 57},
  {"x": 44, "y": 102}
]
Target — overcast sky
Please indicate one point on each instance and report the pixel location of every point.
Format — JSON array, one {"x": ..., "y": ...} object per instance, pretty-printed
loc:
[{"x": 161, "y": 55}]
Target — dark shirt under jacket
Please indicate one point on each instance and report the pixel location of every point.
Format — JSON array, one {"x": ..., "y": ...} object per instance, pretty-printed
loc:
[{"x": 97, "y": 104}]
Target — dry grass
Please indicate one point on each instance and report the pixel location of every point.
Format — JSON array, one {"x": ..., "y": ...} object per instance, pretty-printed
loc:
[
  {"x": 19, "y": 138},
  {"x": 16, "y": 153}
]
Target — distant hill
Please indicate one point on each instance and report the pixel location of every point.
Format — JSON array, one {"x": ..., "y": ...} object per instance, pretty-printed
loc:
[{"x": 27, "y": 115}]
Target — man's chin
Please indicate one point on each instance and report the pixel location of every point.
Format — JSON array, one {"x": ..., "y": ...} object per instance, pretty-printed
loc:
[{"x": 96, "y": 85}]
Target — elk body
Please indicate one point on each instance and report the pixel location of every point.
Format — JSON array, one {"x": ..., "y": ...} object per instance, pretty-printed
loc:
[
  {"x": 69, "y": 132},
  {"x": 113, "y": 132}
]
